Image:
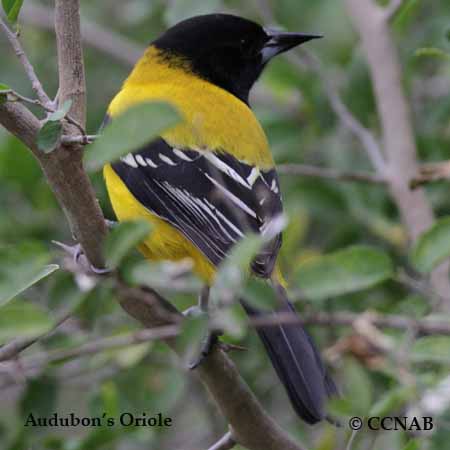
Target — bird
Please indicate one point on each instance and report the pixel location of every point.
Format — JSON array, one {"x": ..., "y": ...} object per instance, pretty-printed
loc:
[{"x": 209, "y": 181}]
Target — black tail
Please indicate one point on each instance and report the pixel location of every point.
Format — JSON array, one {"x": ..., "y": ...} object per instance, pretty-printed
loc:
[{"x": 296, "y": 361}]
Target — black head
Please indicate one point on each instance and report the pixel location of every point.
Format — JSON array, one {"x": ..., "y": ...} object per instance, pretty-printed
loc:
[{"x": 227, "y": 50}]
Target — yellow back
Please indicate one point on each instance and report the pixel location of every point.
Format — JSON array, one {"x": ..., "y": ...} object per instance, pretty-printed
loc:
[{"x": 214, "y": 118}]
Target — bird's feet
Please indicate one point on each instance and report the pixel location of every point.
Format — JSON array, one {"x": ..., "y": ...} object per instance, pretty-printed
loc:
[{"x": 79, "y": 259}]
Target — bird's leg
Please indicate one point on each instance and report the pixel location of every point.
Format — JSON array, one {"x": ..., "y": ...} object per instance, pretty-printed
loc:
[
  {"x": 212, "y": 337},
  {"x": 202, "y": 305}
]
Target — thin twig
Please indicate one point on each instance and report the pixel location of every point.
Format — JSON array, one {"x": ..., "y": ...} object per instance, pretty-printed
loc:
[
  {"x": 29, "y": 70},
  {"x": 424, "y": 325},
  {"x": 225, "y": 443},
  {"x": 330, "y": 174},
  {"x": 431, "y": 172},
  {"x": 363, "y": 134},
  {"x": 101, "y": 345},
  {"x": 304, "y": 59},
  {"x": 82, "y": 140},
  {"x": 36, "y": 102},
  {"x": 351, "y": 440},
  {"x": 16, "y": 346}
]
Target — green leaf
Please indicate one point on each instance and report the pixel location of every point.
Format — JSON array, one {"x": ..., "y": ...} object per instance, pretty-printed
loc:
[
  {"x": 122, "y": 239},
  {"x": 48, "y": 136},
  {"x": 232, "y": 320},
  {"x": 158, "y": 275},
  {"x": 358, "y": 387},
  {"x": 433, "y": 246},
  {"x": 3, "y": 96},
  {"x": 19, "y": 272},
  {"x": 260, "y": 294},
  {"x": 131, "y": 130},
  {"x": 431, "y": 349},
  {"x": 21, "y": 319},
  {"x": 12, "y": 9},
  {"x": 348, "y": 270},
  {"x": 441, "y": 436},
  {"x": 433, "y": 52},
  {"x": 392, "y": 401},
  {"x": 414, "y": 444},
  {"x": 110, "y": 399},
  {"x": 39, "y": 397},
  {"x": 61, "y": 112},
  {"x": 194, "y": 331},
  {"x": 235, "y": 270}
]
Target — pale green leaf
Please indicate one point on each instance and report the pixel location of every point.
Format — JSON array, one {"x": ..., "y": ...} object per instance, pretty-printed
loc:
[
  {"x": 61, "y": 112},
  {"x": 431, "y": 349},
  {"x": 12, "y": 9},
  {"x": 194, "y": 333},
  {"x": 433, "y": 246},
  {"x": 3, "y": 94},
  {"x": 122, "y": 239},
  {"x": 433, "y": 52},
  {"x": 159, "y": 276},
  {"x": 414, "y": 444},
  {"x": 260, "y": 294},
  {"x": 392, "y": 401},
  {"x": 234, "y": 271},
  {"x": 348, "y": 270},
  {"x": 130, "y": 131},
  {"x": 19, "y": 273},
  {"x": 48, "y": 136},
  {"x": 358, "y": 387},
  {"x": 20, "y": 319}
]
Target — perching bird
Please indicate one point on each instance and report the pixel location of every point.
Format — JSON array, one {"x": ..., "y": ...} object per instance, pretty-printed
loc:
[{"x": 209, "y": 181}]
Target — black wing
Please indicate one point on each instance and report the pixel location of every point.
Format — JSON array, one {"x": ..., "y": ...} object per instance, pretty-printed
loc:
[{"x": 213, "y": 199}]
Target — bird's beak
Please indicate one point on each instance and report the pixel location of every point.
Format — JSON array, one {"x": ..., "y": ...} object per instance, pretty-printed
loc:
[{"x": 281, "y": 42}]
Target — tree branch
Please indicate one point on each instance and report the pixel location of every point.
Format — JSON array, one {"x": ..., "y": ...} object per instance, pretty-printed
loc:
[
  {"x": 398, "y": 135},
  {"x": 29, "y": 69},
  {"x": 431, "y": 172},
  {"x": 329, "y": 174},
  {"x": 72, "y": 84}
]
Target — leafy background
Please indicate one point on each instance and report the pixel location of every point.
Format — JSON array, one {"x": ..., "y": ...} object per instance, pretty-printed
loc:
[{"x": 344, "y": 247}]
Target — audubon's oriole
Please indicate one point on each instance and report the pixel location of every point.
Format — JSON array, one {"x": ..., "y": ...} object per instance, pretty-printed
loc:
[{"x": 211, "y": 179}]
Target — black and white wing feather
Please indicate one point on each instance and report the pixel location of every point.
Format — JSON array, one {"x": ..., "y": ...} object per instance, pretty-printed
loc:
[{"x": 213, "y": 199}]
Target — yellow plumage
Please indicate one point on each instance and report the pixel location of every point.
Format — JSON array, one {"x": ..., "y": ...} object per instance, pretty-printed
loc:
[{"x": 213, "y": 120}]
